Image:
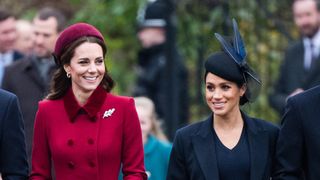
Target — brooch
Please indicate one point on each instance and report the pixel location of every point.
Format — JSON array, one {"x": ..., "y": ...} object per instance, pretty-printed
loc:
[{"x": 108, "y": 113}]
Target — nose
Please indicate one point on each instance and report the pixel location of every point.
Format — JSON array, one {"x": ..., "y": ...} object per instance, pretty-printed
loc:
[
  {"x": 216, "y": 94},
  {"x": 38, "y": 39},
  {"x": 92, "y": 68}
]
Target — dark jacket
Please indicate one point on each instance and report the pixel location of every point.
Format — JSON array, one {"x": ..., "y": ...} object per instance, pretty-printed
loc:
[
  {"x": 293, "y": 75},
  {"x": 13, "y": 157},
  {"x": 152, "y": 81},
  {"x": 193, "y": 154},
  {"x": 299, "y": 138},
  {"x": 23, "y": 79}
]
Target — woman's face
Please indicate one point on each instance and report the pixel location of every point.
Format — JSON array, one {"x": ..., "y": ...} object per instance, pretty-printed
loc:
[
  {"x": 145, "y": 120},
  {"x": 86, "y": 68},
  {"x": 222, "y": 96}
]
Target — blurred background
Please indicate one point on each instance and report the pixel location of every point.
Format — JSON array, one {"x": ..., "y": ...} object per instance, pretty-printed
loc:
[{"x": 266, "y": 26}]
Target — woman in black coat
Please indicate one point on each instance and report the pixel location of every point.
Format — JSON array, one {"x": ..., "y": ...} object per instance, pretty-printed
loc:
[{"x": 228, "y": 144}]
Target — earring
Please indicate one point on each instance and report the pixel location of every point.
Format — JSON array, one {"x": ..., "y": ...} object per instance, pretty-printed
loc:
[{"x": 68, "y": 75}]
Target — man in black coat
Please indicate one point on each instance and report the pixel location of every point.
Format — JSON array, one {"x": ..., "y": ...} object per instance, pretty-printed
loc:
[
  {"x": 13, "y": 157},
  {"x": 153, "y": 75},
  {"x": 30, "y": 77},
  {"x": 298, "y": 145},
  {"x": 301, "y": 67}
]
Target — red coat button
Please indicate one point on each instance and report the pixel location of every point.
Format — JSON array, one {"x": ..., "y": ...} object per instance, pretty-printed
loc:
[
  {"x": 90, "y": 141},
  {"x": 70, "y": 142},
  {"x": 92, "y": 164},
  {"x": 71, "y": 165}
]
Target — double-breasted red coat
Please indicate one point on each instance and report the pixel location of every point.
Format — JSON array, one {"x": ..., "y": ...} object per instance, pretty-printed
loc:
[{"x": 88, "y": 142}]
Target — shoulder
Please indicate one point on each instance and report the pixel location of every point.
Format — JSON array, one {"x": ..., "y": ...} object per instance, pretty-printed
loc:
[
  {"x": 307, "y": 98},
  {"x": 6, "y": 97},
  {"x": 193, "y": 129},
  {"x": 295, "y": 46},
  {"x": 257, "y": 124},
  {"x": 19, "y": 65},
  {"x": 50, "y": 104},
  {"x": 265, "y": 125},
  {"x": 119, "y": 100},
  {"x": 161, "y": 146}
]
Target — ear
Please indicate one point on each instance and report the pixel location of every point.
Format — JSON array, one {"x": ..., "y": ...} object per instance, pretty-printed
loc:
[
  {"x": 243, "y": 89},
  {"x": 66, "y": 68}
]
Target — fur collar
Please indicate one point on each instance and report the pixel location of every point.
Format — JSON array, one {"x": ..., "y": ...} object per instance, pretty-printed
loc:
[{"x": 93, "y": 105}]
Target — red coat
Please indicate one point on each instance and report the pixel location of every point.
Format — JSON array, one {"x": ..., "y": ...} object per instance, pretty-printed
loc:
[{"x": 88, "y": 142}]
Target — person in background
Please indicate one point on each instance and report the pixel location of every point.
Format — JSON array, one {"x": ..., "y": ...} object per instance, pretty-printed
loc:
[
  {"x": 13, "y": 156},
  {"x": 24, "y": 42},
  {"x": 228, "y": 144},
  {"x": 299, "y": 139},
  {"x": 81, "y": 128},
  {"x": 29, "y": 78},
  {"x": 8, "y": 37},
  {"x": 152, "y": 72},
  {"x": 156, "y": 145},
  {"x": 300, "y": 69}
]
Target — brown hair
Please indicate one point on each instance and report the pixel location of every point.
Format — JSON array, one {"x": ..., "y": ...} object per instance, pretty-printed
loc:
[
  {"x": 47, "y": 12},
  {"x": 60, "y": 83}
]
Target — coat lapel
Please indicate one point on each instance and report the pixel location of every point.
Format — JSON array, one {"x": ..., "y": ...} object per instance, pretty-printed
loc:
[
  {"x": 258, "y": 145},
  {"x": 203, "y": 143}
]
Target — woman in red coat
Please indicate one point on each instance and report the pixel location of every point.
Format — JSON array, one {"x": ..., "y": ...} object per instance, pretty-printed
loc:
[{"x": 81, "y": 129}]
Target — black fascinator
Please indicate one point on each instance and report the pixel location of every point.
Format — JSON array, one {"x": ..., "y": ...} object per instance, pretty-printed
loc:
[{"x": 237, "y": 52}]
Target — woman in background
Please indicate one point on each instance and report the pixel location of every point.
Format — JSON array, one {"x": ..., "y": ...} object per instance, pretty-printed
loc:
[{"x": 81, "y": 128}]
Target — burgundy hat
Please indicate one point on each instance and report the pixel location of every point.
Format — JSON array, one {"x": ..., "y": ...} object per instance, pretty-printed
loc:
[{"x": 73, "y": 33}]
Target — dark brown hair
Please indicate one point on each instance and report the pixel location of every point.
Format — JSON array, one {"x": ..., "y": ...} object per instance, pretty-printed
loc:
[
  {"x": 60, "y": 83},
  {"x": 5, "y": 14},
  {"x": 47, "y": 12}
]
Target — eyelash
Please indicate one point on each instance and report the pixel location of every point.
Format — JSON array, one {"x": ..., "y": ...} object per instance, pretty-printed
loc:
[
  {"x": 223, "y": 87},
  {"x": 98, "y": 61}
]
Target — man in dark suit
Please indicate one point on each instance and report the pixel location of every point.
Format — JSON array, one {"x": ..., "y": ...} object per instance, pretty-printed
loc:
[
  {"x": 298, "y": 145},
  {"x": 8, "y": 36},
  {"x": 301, "y": 67},
  {"x": 153, "y": 79},
  {"x": 13, "y": 157},
  {"x": 29, "y": 78}
]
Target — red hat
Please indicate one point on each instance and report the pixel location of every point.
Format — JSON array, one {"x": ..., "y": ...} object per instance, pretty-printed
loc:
[{"x": 73, "y": 33}]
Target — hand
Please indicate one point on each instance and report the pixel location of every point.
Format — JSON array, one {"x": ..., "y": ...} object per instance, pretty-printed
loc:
[{"x": 295, "y": 92}]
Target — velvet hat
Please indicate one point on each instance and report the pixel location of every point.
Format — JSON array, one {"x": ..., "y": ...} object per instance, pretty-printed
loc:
[
  {"x": 73, "y": 33},
  {"x": 222, "y": 65}
]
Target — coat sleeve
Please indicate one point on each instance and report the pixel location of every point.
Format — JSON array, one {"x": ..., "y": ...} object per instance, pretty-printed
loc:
[
  {"x": 132, "y": 151},
  {"x": 290, "y": 145},
  {"x": 13, "y": 157},
  {"x": 41, "y": 157},
  {"x": 177, "y": 167}
]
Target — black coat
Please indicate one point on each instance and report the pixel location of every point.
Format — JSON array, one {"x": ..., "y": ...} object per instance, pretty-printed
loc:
[
  {"x": 13, "y": 157},
  {"x": 23, "y": 79},
  {"x": 293, "y": 75},
  {"x": 193, "y": 154},
  {"x": 152, "y": 81},
  {"x": 299, "y": 138}
]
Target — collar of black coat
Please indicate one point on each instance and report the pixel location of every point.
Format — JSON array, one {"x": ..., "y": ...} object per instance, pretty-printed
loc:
[
  {"x": 92, "y": 106},
  {"x": 206, "y": 128}
]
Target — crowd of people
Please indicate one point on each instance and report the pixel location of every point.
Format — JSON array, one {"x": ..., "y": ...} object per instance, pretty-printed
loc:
[{"x": 59, "y": 118}]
